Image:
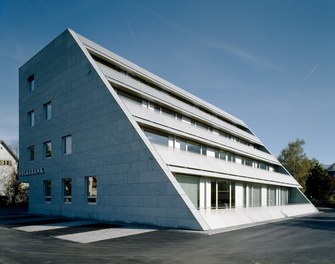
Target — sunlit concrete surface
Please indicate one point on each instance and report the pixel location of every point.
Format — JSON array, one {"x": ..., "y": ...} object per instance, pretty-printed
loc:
[{"x": 104, "y": 234}]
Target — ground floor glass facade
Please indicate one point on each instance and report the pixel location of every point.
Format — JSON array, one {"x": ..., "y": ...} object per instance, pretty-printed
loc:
[{"x": 216, "y": 193}]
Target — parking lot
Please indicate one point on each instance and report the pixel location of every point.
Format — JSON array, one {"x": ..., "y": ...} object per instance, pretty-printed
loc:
[{"x": 28, "y": 238}]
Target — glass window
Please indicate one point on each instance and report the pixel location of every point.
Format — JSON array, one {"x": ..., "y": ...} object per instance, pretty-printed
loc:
[
  {"x": 47, "y": 191},
  {"x": 145, "y": 103},
  {"x": 213, "y": 194},
  {"x": 222, "y": 155},
  {"x": 152, "y": 106},
  {"x": 67, "y": 189},
  {"x": 263, "y": 166},
  {"x": 31, "y": 153},
  {"x": 204, "y": 150},
  {"x": 232, "y": 194},
  {"x": 255, "y": 197},
  {"x": 244, "y": 195},
  {"x": 283, "y": 196},
  {"x": 124, "y": 94},
  {"x": 230, "y": 157},
  {"x": 91, "y": 185},
  {"x": 182, "y": 144},
  {"x": 47, "y": 149},
  {"x": 31, "y": 118},
  {"x": 271, "y": 196},
  {"x": 47, "y": 111},
  {"x": 6, "y": 162},
  {"x": 247, "y": 162},
  {"x": 222, "y": 194},
  {"x": 193, "y": 147},
  {"x": 67, "y": 145},
  {"x": 157, "y": 138},
  {"x": 224, "y": 134},
  {"x": 168, "y": 112},
  {"x": 201, "y": 125},
  {"x": 31, "y": 83},
  {"x": 190, "y": 185},
  {"x": 157, "y": 108}
]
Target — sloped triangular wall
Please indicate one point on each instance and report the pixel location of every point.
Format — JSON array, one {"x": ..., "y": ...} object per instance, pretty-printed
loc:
[
  {"x": 149, "y": 177},
  {"x": 133, "y": 185}
]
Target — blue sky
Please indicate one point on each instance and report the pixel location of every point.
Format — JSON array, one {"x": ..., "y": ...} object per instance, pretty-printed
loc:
[{"x": 269, "y": 63}]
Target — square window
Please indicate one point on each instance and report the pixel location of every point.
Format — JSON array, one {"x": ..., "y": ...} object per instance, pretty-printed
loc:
[
  {"x": 47, "y": 149},
  {"x": 67, "y": 145},
  {"x": 91, "y": 188},
  {"x": 47, "y": 191},
  {"x": 47, "y": 111},
  {"x": 31, "y": 118},
  {"x": 67, "y": 190},
  {"x": 31, "y": 153},
  {"x": 31, "y": 83}
]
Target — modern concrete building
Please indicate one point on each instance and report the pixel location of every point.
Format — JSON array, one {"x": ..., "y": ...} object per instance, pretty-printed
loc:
[
  {"x": 8, "y": 165},
  {"x": 102, "y": 138}
]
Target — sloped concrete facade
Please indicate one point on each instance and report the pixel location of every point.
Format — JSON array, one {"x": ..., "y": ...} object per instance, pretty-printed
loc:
[{"x": 132, "y": 183}]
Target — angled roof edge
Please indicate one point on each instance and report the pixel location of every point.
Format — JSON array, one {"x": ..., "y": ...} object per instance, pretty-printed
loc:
[
  {"x": 132, "y": 67},
  {"x": 9, "y": 150}
]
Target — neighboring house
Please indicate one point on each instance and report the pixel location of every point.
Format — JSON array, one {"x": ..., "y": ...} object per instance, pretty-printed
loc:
[
  {"x": 8, "y": 164},
  {"x": 331, "y": 169},
  {"x": 102, "y": 138}
]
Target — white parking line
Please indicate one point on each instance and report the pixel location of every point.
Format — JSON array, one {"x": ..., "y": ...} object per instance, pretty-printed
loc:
[
  {"x": 37, "y": 228},
  {"x": 103, "y": 234}
]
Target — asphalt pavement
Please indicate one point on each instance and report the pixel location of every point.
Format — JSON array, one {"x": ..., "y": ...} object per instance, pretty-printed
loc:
[{"x": 37, "y": 239}]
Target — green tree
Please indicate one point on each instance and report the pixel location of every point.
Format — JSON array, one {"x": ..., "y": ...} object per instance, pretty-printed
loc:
[
  {"x": 295, "y": 160},
  {"x": 319, "y": 185},
  {"x": 16, "y": 192}
]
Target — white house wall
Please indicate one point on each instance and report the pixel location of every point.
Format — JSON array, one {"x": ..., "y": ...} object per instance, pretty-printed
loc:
[{"x": 6, "y": 171}]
